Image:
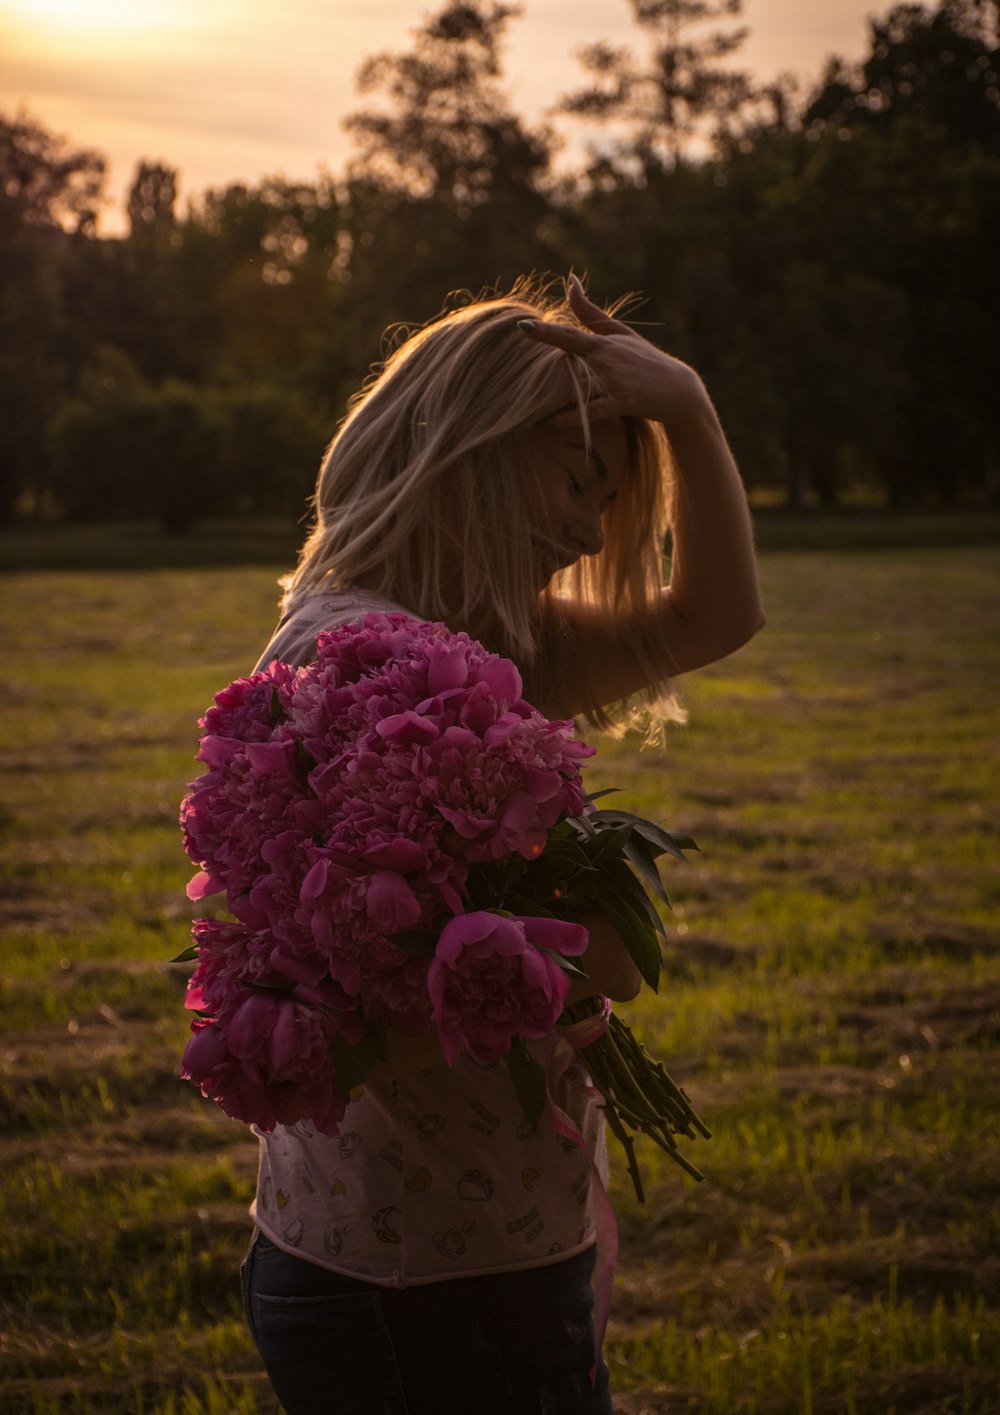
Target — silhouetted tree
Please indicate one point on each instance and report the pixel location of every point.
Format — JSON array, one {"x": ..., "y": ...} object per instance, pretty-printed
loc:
[
  {"x": 122, "y": 448},
  {"x": 940, "y": 67},
  {"x": 449, "y": 133},
  {"x": 447, "y": 188},
  {"x": 44, "y": 182},
  {"x": 829, "y": 264},
  {"x": 680, "y": 95},
  {"x": 49, "y": 194},
  {"x": 152, "y": 198}
]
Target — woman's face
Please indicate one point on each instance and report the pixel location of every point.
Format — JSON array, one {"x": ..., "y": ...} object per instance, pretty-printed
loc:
[{"x": 578, "y": 485}]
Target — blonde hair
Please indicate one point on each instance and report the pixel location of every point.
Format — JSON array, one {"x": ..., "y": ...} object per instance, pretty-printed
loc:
[{"x": 429, "y": 492}]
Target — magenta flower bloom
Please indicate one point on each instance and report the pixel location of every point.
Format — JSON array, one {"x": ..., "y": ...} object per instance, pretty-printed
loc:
[
  {"x": 344, "y": 803},
  {"x": 490, "y": 981},
  {"x": 391, "y": 902}
]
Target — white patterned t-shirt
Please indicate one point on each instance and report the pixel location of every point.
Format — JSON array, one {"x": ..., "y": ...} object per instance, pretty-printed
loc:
[{"x": 436, "y": 1173}]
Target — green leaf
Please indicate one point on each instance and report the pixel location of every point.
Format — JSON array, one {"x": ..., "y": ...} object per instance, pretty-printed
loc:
[
  {"x": 521, "y": 904},
  {"x": 668, "y": 842},
  {"x": 596, "y": 795},
  {"x": 277, "y": 711},
  {"x": 352, "y": 1061},
  {"x": 567, "y": 964},
  {"x": 638, "y": 937},
  {"x": 566, "y": 852},
  {"x": 304, "y": 759},
  {"x": 641, "y": 859},
  {"x": 418, "y": 943},
  {"x": 622, "y": 884},
  {"x": 189, "y": 954},
  {"x": 608, "y": 841},
  {"x": 528, "y": 1080}
]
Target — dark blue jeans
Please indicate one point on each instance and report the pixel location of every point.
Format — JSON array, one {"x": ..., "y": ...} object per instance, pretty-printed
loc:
[{"x": 507, "y": 1344}]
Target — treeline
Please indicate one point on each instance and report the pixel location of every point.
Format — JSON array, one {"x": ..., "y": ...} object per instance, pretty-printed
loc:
[{"x": 828, "y": 258}]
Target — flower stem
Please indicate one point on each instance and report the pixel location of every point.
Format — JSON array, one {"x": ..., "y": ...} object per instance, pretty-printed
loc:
[{"x": 639, "y": 1093}]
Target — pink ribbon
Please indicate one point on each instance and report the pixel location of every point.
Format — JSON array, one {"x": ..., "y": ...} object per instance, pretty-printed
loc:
[
  {"x": 581, "y": 1034},
  {"x": 588, "y": 1029}
]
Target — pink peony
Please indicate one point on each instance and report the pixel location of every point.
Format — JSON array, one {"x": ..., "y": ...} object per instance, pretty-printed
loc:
[
  {"x": 489, "y": 981},
  {"x": 343, "y": 803},
  {"x": 247, "y": 708},
  {"x": 245, "y": 1092}
]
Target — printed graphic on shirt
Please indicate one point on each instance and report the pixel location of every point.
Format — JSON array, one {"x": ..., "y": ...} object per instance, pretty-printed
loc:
[
  {"x": 333, "y": 1240},
  {"x": 418, "y": 1180},
  {"x": 281, "y": 1198},
  {"x": 266, "y": 1192},
  {"x": 475, "y": 1184},
  {"x": 428, "y": 1126},
  {"x": 294, "y": 1231},
  {"x": 382, "y": 1224},
  {"x": 528, "y": 1226},
  {"x": 348, "y": 1145},
  {"x": 487, "y": 1121},
  {"x": 451, "y": 1242},
  {"x": 393, "y": 1154},
  {"x": 528, "y": 1176},
  {"x": 337, "y": 1188}
]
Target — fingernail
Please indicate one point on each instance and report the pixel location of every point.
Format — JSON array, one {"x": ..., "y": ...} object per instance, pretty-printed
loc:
[
  {"x": 528, "y": 325},
  {"x": 575, "y": 280}
]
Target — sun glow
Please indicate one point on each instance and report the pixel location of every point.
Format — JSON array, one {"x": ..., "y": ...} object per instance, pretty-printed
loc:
[
  {"x": 120, "y": 15},
  {"x": 68, "y": 31}
]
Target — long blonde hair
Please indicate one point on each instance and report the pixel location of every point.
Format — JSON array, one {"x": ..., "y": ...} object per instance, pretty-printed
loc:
[{"x": 429, "y": 492}]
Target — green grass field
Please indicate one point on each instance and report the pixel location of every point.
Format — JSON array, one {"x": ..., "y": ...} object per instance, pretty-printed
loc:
[{"x": 831, "y": 999}]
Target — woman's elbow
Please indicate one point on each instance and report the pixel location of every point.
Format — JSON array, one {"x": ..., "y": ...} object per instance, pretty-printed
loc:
[
  {"x": 741, "y": 629},
  {"x": 626, "y": 987},
  {"x": 754, "y": 623}
]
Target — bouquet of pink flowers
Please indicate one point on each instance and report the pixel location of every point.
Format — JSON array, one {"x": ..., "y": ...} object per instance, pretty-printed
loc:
[{"x": 391, "y": 826}]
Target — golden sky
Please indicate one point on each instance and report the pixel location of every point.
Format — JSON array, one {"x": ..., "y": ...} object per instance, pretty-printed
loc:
[{"x": 234, "y": 90}]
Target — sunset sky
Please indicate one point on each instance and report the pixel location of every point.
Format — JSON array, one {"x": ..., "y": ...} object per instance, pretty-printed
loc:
[{"x": 233, "y": 90}]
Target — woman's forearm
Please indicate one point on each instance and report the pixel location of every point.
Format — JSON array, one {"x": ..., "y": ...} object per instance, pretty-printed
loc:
[{"x": 713, "y": 604}]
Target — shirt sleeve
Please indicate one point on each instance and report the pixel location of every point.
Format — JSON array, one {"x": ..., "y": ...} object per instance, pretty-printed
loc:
[{"x": 294, "y": 640}]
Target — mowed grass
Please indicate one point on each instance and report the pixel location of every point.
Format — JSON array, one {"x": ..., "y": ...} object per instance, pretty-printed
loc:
[{"x": 830, "y": 1000}]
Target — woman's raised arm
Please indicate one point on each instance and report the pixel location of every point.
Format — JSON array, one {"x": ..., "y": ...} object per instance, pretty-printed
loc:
[{"x": 712, "y": 604}]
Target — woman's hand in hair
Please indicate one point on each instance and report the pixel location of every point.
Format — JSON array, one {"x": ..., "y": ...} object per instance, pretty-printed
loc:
[
  {"x": 633, "y": 378},
  {"x": 712, "y": 604}
]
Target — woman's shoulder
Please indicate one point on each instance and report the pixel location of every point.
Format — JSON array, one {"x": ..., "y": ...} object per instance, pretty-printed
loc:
[{"x": 294, "y": 640}]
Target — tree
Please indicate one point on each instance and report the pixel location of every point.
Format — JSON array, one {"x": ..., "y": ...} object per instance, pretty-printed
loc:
[
  {"x": 450, "y": 133},
  {"x": 904, "y": 186},
  {"x": 447, "y": 189},
  {"x": 45, "y": 183},
  {"x": 122, "y": 448},
  {"x": 49, "y": 194},
  {"x": 271, "y": 442},
  {"x": 682, "y": 96},
  {"x": 938, "y": 67},
  {"x": 152, "y": 199}
]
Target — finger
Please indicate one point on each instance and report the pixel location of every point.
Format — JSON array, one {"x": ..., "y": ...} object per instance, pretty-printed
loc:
[
  {"x": 560, "y": 336},
  {"x": 598, "y": 410},
  {"x": 590, "y": 314}
]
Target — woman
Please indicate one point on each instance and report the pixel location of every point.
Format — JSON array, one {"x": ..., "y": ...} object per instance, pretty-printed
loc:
[{"x": 512, "y": 471}]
